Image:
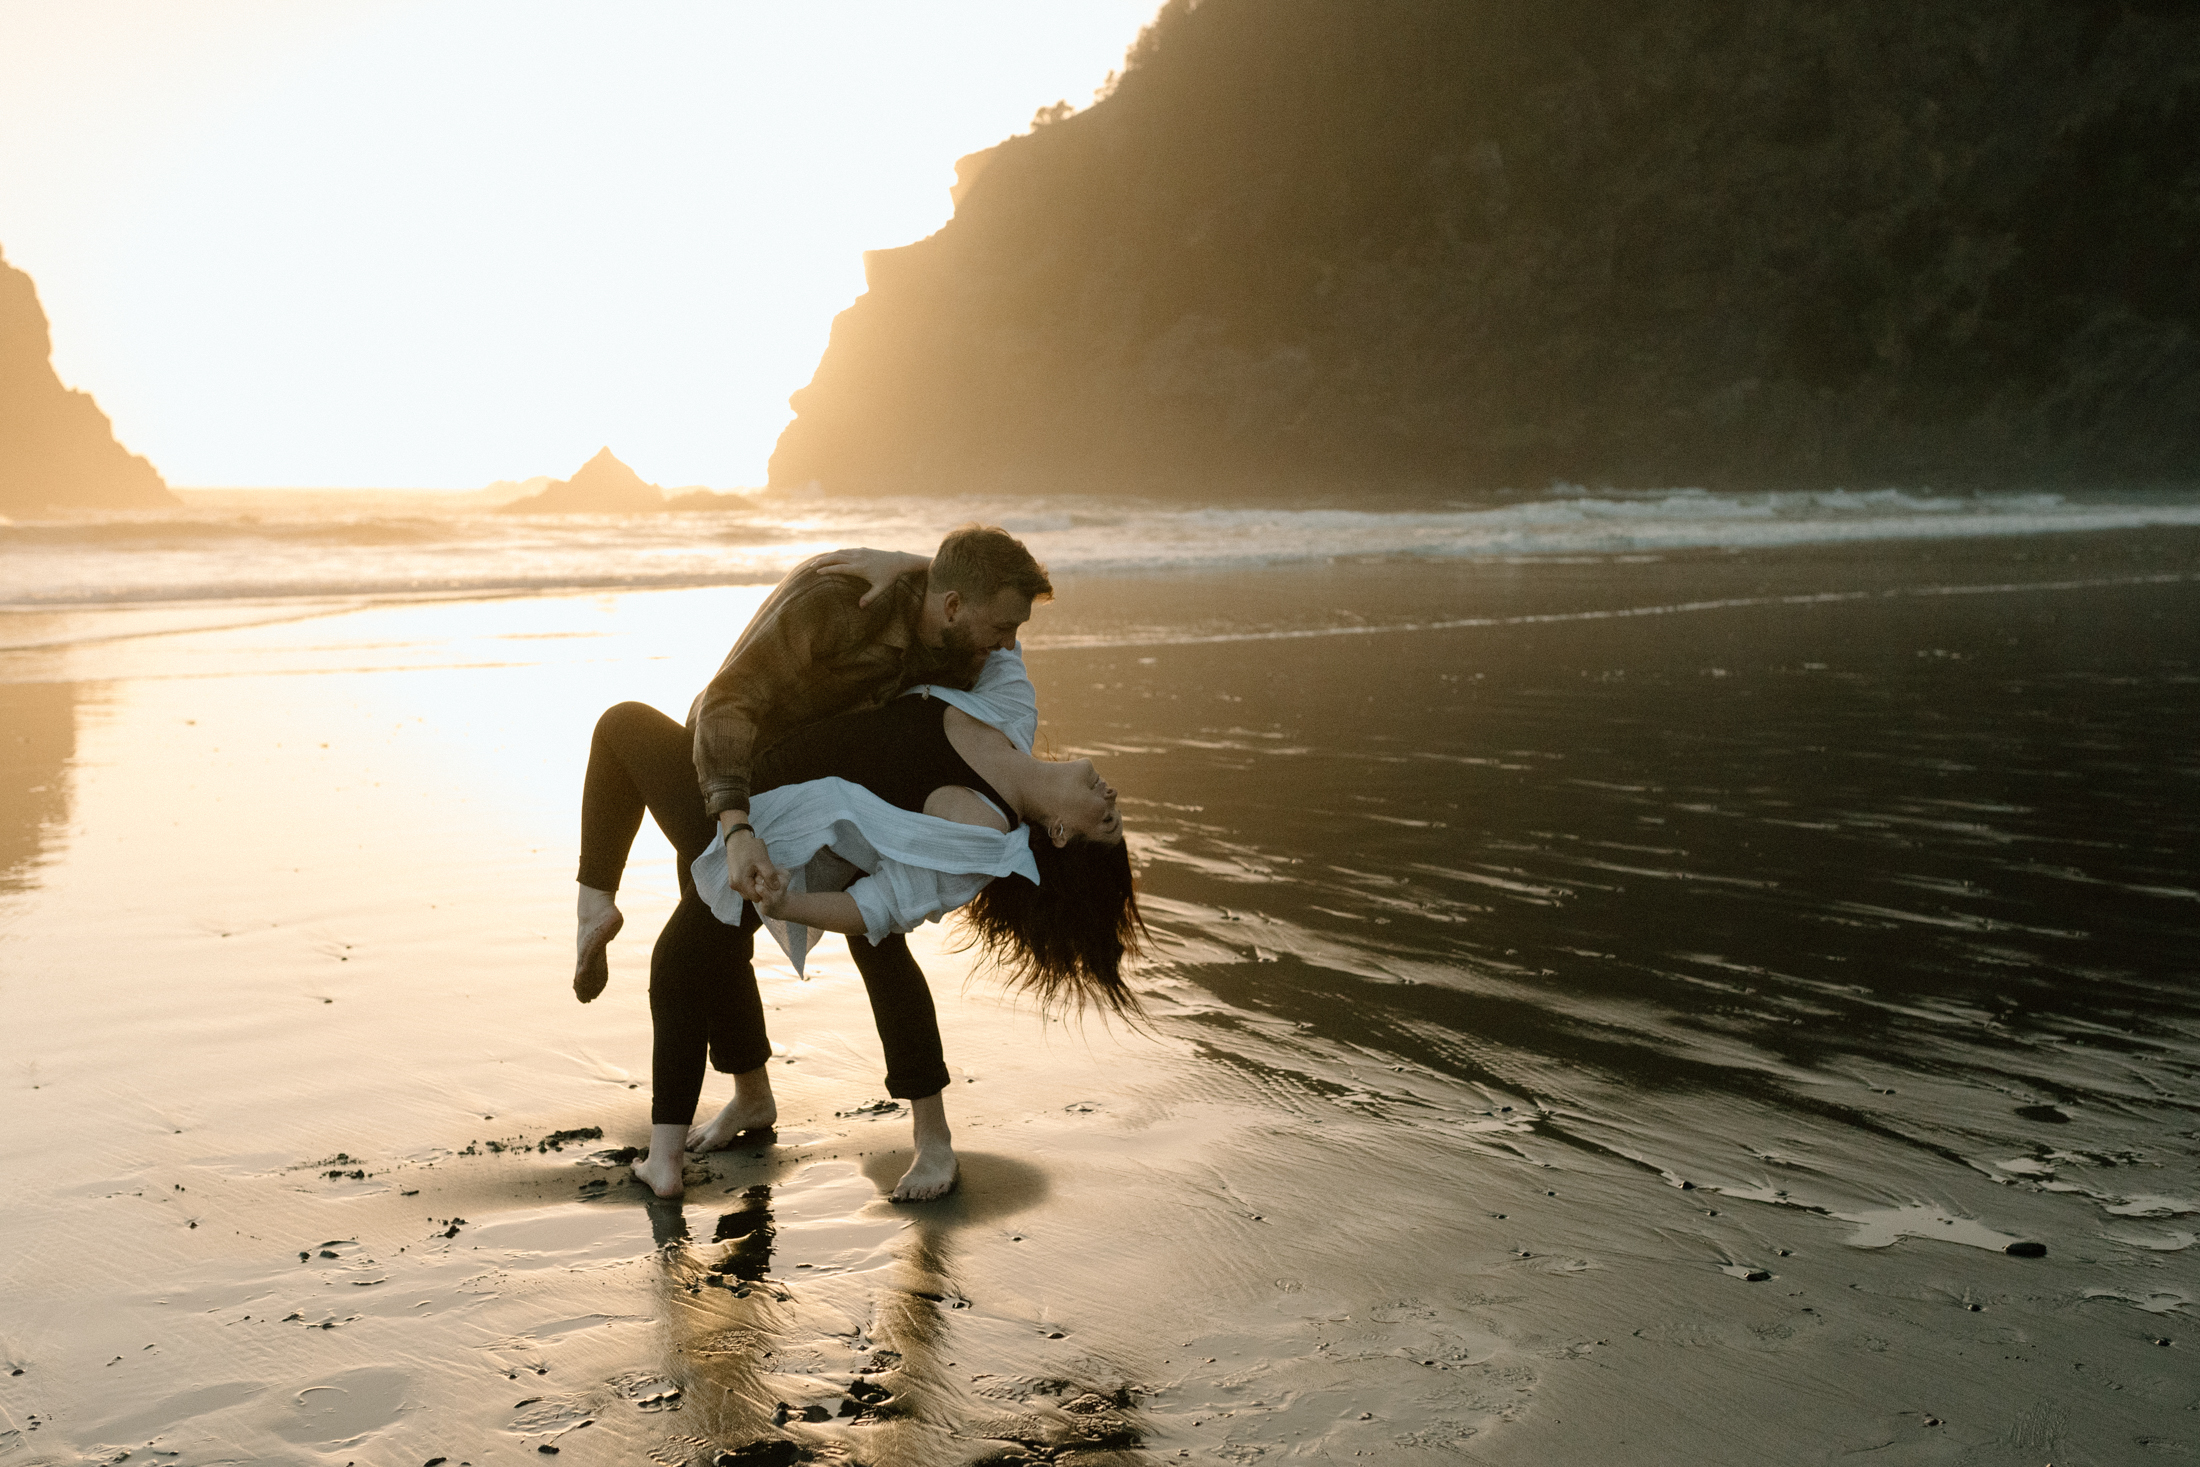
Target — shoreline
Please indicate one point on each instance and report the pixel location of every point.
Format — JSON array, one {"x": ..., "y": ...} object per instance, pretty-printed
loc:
[
  {"x": 194, "y": 561},
  {"x": 1844, "y": 557}
]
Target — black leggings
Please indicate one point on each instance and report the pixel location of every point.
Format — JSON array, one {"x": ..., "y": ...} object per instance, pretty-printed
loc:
[{"x": 702, "y": 982}]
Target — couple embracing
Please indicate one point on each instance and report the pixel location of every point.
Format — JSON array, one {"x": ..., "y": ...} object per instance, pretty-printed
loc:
[{"x": 861, "y": 763}]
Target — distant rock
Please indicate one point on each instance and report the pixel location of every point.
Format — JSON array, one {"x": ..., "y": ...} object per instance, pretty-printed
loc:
[
  {"x": 603, "y": 485},
  {"x": 57, "y": 449}
]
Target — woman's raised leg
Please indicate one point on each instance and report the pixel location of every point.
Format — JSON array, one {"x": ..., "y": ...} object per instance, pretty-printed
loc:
[{"x": 638, "y": 760}]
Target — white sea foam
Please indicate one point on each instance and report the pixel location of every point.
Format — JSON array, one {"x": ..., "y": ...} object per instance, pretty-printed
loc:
[{"x": 411, "y": 548}]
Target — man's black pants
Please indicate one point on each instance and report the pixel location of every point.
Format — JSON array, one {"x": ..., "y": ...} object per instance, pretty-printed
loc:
[{"x": 703, "y": 1000}]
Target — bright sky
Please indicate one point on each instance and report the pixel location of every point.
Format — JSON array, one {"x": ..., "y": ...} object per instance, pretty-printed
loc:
[{"x": 376, "y": 243}]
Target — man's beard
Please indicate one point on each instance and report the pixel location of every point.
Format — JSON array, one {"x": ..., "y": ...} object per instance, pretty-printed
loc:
[{"x": 959, "y": 659}]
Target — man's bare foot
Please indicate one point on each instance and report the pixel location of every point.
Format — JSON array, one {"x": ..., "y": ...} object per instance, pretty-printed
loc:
[
  {"x": 718, "y": 1132},
  {"x": 663, "y": 1171},
  {"x": 933, "y": 1173},
  {"x": 600, "y": 921},
  {"x": 753, "y": 1108}
]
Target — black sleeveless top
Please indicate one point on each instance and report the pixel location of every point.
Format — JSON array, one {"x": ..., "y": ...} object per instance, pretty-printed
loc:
[{"x": 898, "y": 751}]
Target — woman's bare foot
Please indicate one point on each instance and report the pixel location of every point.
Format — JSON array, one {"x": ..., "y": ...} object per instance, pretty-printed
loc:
[
  {"x": 753, "y": 1108},
  {"x": 664, "y": 1170},
  {"x": 600, "y": 921},
  {"x": 934, "y": 1171}
]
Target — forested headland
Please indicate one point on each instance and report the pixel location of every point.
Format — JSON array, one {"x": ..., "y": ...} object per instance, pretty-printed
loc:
[{"x": 1458, "y": 246}]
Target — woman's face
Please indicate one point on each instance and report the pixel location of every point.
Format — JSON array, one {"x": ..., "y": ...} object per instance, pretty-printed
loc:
[{"x": 1086, "y": 809}]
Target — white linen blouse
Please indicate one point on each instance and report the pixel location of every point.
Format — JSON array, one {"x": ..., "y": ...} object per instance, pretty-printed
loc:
[{"x": 919, "y": 867}]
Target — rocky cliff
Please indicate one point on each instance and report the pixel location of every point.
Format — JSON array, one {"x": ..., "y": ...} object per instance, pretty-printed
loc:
[
  {"x": 1458, "y": 245},
  {"x": 603, "y": 485},
  {"x": 57, "y": 449}
]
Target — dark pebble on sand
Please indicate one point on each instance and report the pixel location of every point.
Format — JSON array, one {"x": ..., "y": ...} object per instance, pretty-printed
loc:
[
  {"x": 435, "y": 1462},
  {"x": 1755, "y": 1276},
  {"x": 305, "y": 1257},
  {"x": 2046, "y": 1114},
  {"x": 547, "y": 1450},
  {"x": 2026, "y": 1250},
  {"x": 769, "y": 1453}
]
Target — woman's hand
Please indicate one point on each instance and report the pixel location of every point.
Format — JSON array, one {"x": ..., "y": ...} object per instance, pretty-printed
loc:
[
  {"x": 878, "y": 568},
  {"x": 772, "y": 897},
  {"x": 828, "y": 911}
]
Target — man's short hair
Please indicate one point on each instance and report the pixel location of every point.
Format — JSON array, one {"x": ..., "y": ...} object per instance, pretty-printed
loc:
[{"x": 978, "y": 560}]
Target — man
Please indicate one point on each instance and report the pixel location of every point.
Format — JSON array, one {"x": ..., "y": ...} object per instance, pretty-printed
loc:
[{"x": 817, "y": 647}]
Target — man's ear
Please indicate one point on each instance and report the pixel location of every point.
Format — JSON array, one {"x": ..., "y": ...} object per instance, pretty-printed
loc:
[
  {"x": 1059, "y": 834},
  {"x": 950, "y": 603}
]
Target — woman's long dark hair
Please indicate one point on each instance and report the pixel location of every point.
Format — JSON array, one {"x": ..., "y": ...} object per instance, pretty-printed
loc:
[{"x": 1063, "y": 941}]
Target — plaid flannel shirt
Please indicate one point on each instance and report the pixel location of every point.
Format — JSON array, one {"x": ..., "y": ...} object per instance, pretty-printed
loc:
[{"x": 809, "y": 653}]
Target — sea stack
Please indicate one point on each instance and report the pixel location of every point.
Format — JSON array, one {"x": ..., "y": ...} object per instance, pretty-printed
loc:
[
  {"x": 57, "y": 449},
  {"x": 1449, "y": 247},
  {"x": 603, "y": 485}
]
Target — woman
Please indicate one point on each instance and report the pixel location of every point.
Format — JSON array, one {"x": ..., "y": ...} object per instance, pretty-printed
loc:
[{"x": 922, "y": 801}]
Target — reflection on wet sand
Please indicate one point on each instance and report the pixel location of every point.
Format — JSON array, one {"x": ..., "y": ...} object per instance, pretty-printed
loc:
[
  {"x": 721, "y": 1322},
  {"x": 874, "y": 1367},
  {"x": 37, "y": 742}
]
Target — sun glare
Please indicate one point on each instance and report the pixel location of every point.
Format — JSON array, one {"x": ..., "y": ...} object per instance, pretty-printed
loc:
[{"x": 427, "y": 245}]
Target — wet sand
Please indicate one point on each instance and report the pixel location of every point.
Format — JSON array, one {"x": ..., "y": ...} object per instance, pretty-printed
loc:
[{"x": 1609, "y": 1010}]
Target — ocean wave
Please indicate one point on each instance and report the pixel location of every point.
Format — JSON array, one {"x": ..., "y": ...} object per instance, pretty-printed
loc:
[
  {"x": 147, "y": 532},
  {"x": 196, "y": 556}
]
